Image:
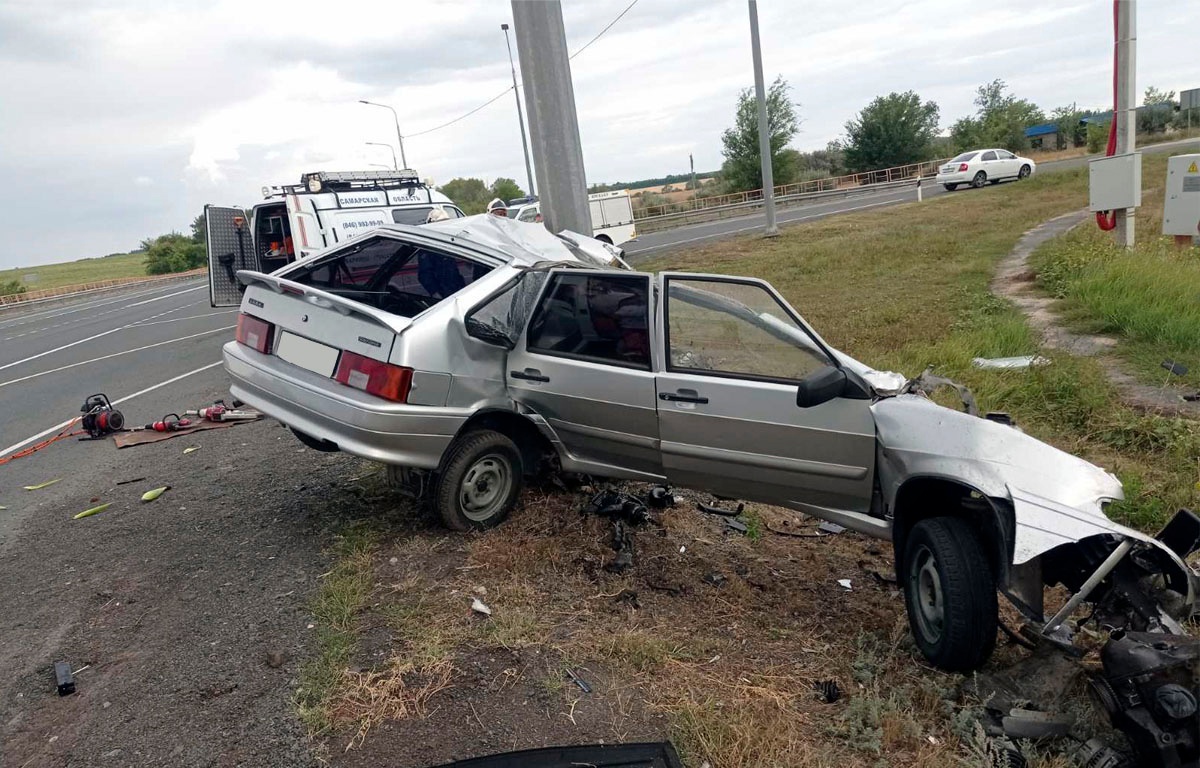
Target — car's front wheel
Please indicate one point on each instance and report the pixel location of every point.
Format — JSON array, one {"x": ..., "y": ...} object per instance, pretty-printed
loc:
[
  {"x": 979, "y": 180},
  {"x": 950, "y": 187},
  {"x": 480, "y": 481},
  {"x": 1024, "y": 172},
  {"x": 950, "y": 594}
]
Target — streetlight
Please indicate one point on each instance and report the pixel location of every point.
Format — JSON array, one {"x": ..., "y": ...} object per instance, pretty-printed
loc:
[
  {"x": 520, "y": 119},
  {"x": 397, "y": 119},
  {"x": 389, "y": 149},
  {"x": 378, "y": 165}
]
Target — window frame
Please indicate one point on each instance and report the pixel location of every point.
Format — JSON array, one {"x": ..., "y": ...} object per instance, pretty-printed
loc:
[
  {"x": 1004, "y": 154},
  {"x": 985, "y": 159},
  {"x": 551, "y": 279},
  {"x": 665, "y": 301}
]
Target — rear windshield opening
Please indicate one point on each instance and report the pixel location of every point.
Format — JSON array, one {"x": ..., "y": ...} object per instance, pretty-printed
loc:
[{"x": 396, "y": 277}]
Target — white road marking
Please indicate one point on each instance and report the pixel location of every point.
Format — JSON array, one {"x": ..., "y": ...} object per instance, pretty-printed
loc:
[
  {"x": 127, "y": 398},
  {"x": 189, "y": 317},
  {"x": 115, "y": 354},
  {"x": 169, "y": 295},
  {"x": 25, "y": 319}
]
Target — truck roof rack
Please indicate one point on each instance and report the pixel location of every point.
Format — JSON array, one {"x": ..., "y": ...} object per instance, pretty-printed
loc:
[{"x": 321, "y": 181}]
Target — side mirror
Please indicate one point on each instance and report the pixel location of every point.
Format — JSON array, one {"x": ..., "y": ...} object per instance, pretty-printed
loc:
[{"x": 828, "y": 383}]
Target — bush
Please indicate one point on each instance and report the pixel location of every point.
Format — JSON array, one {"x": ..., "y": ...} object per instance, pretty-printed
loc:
[
  {"x": 12, "y": 287},
  {"x": 173, "y": 253},
  {"x": 1097, "y": 137}
]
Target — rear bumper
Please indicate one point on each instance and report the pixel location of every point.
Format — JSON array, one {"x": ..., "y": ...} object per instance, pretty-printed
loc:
[
  {"x": 953, "y": 178},
  {"x": 362, "y": 425}
]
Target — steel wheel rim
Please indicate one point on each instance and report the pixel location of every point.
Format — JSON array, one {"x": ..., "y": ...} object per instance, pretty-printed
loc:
[
  {"x": 1023, "y": 173},
  {"x": 980, "y": 180},
  {"x": 485, "y": 488},
  {"x": 930, "y": 602}
]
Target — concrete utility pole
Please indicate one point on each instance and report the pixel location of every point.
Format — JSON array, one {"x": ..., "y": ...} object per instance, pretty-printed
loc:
[
  {"x": 553, "y": 122},
  {"x": 520, "y": 119},
  {"x": 692, "y": 166},
  {"x": 764, "y": 130},
  {"x": 1126, "y": 113}
]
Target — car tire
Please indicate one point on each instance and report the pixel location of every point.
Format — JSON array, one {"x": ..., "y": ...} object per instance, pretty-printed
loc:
[
  {"x": 480, "y": 481},
  {"x": 1024, "y": 172},
  {"x": 950, "y": 594},
  {"x": 950, "y": 187},
  {"x": 979, "y": 180}
]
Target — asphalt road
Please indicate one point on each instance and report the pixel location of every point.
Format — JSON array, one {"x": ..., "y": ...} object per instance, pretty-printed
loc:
[{"x": 657, "y": 242}]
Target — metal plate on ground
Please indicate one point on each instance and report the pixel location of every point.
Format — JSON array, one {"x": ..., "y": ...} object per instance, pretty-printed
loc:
[{"x": 307, "y": 354}]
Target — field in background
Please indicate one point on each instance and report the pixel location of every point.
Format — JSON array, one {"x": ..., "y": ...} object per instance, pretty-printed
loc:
[{"x": 78, "y": 272}]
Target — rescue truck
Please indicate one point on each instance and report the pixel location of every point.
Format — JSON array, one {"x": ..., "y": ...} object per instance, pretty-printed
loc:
[
  {"x": 295, "y": 221},
  {"x": 612, "y": 215}
]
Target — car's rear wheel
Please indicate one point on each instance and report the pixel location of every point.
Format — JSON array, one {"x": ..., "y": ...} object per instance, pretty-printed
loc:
[
  {"x": 950, "y": 187},
  {"x": 950, "y": 594},
  {"x": 1024, "y": 172},
  {"x": 979, "y": 180},
  {"x": 480, "y": 481},
  {"x": 604, "y": 239}
]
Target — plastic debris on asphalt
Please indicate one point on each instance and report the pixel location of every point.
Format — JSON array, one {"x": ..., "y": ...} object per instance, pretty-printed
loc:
[
  {"x": 1010, "y": 363},
  {"x": 844, "y": 583}
]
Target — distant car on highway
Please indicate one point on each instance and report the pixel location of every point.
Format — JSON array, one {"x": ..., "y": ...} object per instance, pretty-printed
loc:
[{"x": 984, "y": 166}]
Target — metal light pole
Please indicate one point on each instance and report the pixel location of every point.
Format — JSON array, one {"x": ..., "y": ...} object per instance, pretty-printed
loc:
[
  {"x": 553, "y": 121},
  {"x": 389, "y": 149},
  {"x": 1125, "y": 114},
  {"x": 692, "y": 166},
  {"x": 396, "y": 117},
  {"x": 764, "y": 130},
  {"x": 520, "y": 119}
]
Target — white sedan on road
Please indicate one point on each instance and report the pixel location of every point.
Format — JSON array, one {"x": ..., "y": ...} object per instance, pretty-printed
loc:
[{"x": 982, "y": 166}]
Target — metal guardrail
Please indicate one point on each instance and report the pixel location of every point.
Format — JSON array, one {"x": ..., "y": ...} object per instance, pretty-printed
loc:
[
  {"x": 831, "y": 186},
  {"x": 67, "y": 291}
]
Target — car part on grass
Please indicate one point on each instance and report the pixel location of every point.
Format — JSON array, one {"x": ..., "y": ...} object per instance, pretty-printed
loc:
[
  {"x": 1021, "y": 723},
  {"x": 736, "y": 525},
  {"x": 1094, "y": 753},
  {"x": 927, "y": 383},
  {"x": 646, "y": 755},
  {"x": 1174, "y": 368},
  {"x": 1150, "y": 686},
  {"x": 622, "y": 544},
  {"x": 660, "y": 497},
  {"x": 831, "y": 528},
  {"x": 828, "y": 691},
  {"x": 1009, "y": 363},
  {"x": 100, "y": 419},
  {"x": 715, "y": 510},
  {"x": 64, "y": 678},
  {"x": 617, "y": 505},
  {"x": 480, "y": 607},
  {"x": 583, "y": 684}
]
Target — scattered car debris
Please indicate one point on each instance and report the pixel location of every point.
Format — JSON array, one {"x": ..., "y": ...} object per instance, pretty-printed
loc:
[
  {"x": 154, "y": 494},
  {"x": 1094, "y": 753},
  {"x": 618, "y": 506},
  {"x": 844, "y": 583},
  {"x": 583, "y": 685},
  {"x": 1174, "y": 368},
  {"x": 831, "y": 528},
  {"x": 1150, "y": 686},
  {"x": 736, "y": 525},
  {"x": 64, "y": 678},
  {"x": 93, "y": 511},
  {"x": 810, "y": 534},
  {"x": 478, "y": 606},
  {"x": 40, "y": 486},
  {"x": 622, "y": 544},
  {"x": 660, "y": 497},
  {"x": 828, "y": 691},
  {"x": 927, "y": 383},
  {"x": 1010, "y": 363},
  {"x": 715, "y": 510},
  {"x": 1022, "y": 723}
]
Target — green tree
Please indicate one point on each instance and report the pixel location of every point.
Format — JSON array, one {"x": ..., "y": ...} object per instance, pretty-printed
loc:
[
  {"x": 742, "y": 168},
  {"x": 505, "y": 189},
  {"x": 892, "y": 130},
  {"x": 1000, "y": 121},
  {"x": 472, "y": 195},
  {"x": 1158, "y": 111},
  {"x": 174, "y": 252},
  {"x": 1097, "y": 137},
  {"x": 200, "y": 228},
  {"x": 1072, "y": 132}
]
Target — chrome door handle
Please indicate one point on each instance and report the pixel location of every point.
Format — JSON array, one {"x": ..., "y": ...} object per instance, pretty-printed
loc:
[
  {"x": 683, "y": 396},
  {"x": 529, "y": 374}
]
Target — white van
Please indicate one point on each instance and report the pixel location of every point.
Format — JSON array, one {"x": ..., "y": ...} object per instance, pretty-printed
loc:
[
  {"x": 295, "y": 221},
  {"x": 612, "y": 215}
]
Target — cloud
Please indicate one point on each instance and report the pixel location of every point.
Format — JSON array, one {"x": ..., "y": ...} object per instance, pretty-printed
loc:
[{"x": 212, "y": 101}]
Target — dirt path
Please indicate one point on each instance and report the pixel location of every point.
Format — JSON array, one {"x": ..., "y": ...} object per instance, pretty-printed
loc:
[{"x": 1015, "y": 281}]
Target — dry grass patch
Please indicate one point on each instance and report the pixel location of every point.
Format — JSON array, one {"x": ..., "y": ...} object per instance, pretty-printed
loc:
[{"x": 399, "y": 691}]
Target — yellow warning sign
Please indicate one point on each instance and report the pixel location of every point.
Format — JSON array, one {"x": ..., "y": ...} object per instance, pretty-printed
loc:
[{"x": 1192, "y": 168}]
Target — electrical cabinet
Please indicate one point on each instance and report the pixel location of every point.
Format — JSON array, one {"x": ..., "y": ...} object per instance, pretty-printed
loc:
[
  {"x": 1181, "y": 206},
  {"x": 1115, "y": 182}
]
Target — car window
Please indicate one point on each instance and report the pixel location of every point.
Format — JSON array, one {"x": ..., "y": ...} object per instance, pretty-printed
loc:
[
  {"x": 964, "y": 157},
  {"x": 599, "y": 317},
  {"x": 1004, "y": 155},
  {"x": 397, "y": 277},
  {"x": 731, "y": 328},
  {"x": 413, "y": 215},
  {"x": 506, "y": 313},
  {"x": 988, "y": 156}
]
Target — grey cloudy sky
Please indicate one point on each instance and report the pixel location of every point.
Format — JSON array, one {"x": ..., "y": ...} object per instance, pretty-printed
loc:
[{"x": 119, "y": 119}]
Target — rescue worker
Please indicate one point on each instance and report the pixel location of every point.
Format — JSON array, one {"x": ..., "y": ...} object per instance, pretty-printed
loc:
[
  {"x": 437, "y": 214},
  {"x": 498, "y": 208}
]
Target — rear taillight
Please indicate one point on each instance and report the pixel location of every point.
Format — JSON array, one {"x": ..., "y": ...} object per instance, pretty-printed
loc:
[
  {"x": 385, "y": 380},
  {"x": 255, "y": 333},
  {"x": 962, "y": 166}
]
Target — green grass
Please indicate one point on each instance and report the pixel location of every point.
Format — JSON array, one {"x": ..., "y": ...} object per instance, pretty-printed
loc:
[
  {"x": 78, "y": 272},
  {"x": 907, "y": 286},
  {"x": 343, "y": 594}
]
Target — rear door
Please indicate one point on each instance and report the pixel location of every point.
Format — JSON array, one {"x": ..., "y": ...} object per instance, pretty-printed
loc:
[
  {"x": 584, "y": 365},
  {"x": 230, "y": 248},
  {"x": 733, "y": 353}
]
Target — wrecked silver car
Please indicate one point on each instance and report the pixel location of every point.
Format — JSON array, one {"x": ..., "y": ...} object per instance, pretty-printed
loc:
[{"x": 470, "y": 353}]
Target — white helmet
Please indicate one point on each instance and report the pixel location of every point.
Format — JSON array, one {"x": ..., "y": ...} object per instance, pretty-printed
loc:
[
  {"x": 497, "y": 206},
  {"x": 437, "y": 214}
]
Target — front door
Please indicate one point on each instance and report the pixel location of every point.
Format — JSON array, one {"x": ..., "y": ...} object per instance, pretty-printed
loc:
[
  {"x": 584, "y": 365},
  {"x": 733, "y": 353},
  {"x": 230, "y": 248}
]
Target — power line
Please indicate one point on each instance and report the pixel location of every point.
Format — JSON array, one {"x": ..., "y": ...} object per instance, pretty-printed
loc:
[{"x": 503, "y": 93}]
